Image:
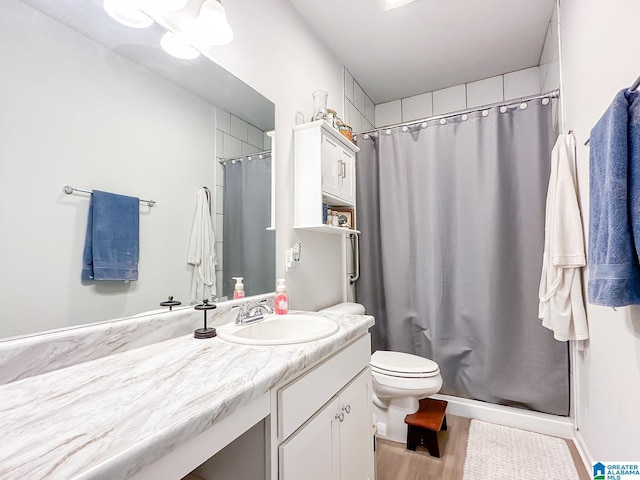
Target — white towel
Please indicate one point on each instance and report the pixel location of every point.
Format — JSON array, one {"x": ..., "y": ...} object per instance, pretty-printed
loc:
[
  {"x": 202, "y": 251},
  {"x": 561, "y": 305}
]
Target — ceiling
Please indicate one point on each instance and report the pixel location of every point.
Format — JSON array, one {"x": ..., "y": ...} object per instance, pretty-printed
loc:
[{"x": 429, "y": 44}]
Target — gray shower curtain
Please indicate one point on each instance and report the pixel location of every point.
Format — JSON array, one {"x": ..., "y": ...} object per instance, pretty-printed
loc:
[
  {"x": 248, "y": 247},
  {"x": 452, "y": 221}
]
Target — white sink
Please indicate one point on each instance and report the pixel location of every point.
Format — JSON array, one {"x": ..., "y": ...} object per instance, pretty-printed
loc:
[{"x": 280, "y": 330}]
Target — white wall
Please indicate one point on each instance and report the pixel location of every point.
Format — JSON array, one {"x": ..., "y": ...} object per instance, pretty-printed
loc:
[
  {"x": 599, "y": 51},
  {"x": 76, "y": 113},
  {"x": 276, "y": 53}
]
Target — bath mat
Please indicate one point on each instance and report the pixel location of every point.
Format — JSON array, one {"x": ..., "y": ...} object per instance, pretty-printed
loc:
[{"x": 496, "y": 452}]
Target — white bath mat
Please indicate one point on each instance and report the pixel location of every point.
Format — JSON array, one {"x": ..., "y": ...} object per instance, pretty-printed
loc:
[{"x": 502, "y": 453}]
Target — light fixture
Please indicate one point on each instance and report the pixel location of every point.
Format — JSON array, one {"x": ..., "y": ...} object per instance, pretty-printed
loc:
[
  {"x": 176, "y": 45},
  {"x": 127, "y": 13},
  {"x": 391, "y": 4},
  {"x": 170, "y": 5},
  {"x": 211, "y": 26}
]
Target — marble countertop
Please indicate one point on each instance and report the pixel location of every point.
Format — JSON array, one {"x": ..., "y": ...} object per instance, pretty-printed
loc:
[{"x": 108, "y": 418}]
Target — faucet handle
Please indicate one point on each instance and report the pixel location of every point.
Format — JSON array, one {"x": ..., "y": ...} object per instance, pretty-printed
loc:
[
  {"x": 262, "y": 304},
  {"x": 244, "y": 310}
]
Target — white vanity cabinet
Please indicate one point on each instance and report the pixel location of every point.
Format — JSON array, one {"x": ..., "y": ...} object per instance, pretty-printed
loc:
[
  {"x": 324, "y": 163},
  {"x": 332, "y": 441}
]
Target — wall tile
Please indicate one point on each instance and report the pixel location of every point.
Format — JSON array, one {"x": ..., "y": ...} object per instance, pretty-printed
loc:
[
  {"x": 551, "y": 80},
  {"x": 348, "y": 106},
  {"x": 239, "y": 128},
  {"x": 348, "y": 85},
  {"x": 369, "y": 110},
  {"x": 267, "y": 142},
  {"x": 359, "y": 98},
  {"x": 219, "y": 199},
  {"x": 223, "y": 120},
  {"x": 219, "y": 174},
  {"x": 548, "y": 47},
  {"x": 417, "y": 107},
  {"x": 521, "y": 83},
  {"x": 366, "y": 125},
  {"x": 484, "y": 92},
  {"x": 388, "y": 113},
  {"x": 449, "y": 99},
  {"x": 248, "y": 149},
  {"x": 255, "y": 137},
  {"x": 231, "y": 146},
  {"x": 354, "y": 118}
]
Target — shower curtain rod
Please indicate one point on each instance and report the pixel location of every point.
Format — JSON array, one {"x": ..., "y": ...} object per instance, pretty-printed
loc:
[
  {"x": 223, "y": 160},
  {"x": 551, "y": 94}
]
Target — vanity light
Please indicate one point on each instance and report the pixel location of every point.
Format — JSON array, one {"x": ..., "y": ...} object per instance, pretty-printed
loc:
[
  {"x": 127, "y": 13},
  {"x": 177, "y": 46},
  {"x": 211, "y": 25},
  {"x": 391, "y": 4},
  {"x": 171, "y": 5}
]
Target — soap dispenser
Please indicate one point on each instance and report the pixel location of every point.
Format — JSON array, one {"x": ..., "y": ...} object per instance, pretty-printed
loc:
[
  {"x": 238, "y": 291},
  {"x": 282, "y": 299}
]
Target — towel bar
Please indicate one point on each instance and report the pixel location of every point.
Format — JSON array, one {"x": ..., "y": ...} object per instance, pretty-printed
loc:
[{"x": 69, "y": 190}]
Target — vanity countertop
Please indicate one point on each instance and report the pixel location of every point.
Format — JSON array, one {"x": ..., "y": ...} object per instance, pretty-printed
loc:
[{"x": 108, "y": 418}]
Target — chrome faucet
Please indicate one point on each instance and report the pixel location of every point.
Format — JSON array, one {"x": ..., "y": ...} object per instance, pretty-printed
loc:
[{"x": 251, "y": 314}]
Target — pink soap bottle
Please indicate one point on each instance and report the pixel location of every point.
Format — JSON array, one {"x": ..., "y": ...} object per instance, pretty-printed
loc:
[
  {"x": 238, "y": 291},
  {"x": 282, "y": 299}
]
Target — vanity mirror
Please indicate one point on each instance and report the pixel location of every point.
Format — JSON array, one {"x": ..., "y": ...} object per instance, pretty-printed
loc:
[{"x": 90, "y": 103}]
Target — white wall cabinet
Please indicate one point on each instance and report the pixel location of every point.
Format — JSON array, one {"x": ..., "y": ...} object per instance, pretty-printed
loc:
[
  {"x": 337, "y": 442},
  {"x": 324, "y": 163}
]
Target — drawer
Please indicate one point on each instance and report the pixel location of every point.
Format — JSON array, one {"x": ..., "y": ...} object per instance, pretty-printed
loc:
[{"x": 303, "y": 397}]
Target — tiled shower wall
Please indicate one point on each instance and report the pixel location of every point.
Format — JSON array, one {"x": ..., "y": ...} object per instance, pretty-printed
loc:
[
  {"x": 542, "y": 78},
  {"x": 234, "y": 137},
  {"x": 359, "y": 110}
]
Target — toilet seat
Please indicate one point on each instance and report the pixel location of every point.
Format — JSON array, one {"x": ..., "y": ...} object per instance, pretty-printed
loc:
[{"x": 403, "y": 365}]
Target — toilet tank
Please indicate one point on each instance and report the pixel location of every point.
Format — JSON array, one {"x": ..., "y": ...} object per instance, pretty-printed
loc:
[{"x": 345, "y": 307}]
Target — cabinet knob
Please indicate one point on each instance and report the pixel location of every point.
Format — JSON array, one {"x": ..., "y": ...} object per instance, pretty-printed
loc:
[
  {"x": 340, "y": 416},
  {"x": 347, "y": 408}
]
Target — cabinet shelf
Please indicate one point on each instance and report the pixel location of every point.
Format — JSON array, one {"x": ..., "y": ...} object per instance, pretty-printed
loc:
[{"x": 327, "y": 229}]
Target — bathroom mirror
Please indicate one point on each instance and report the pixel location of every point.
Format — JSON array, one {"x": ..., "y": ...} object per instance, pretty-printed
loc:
[{"x": 93, "y": 104}]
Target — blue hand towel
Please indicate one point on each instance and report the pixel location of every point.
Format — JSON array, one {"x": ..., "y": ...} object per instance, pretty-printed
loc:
[
  {"x": 111, "y": 245},
  {"x": 614, "y": 270}
]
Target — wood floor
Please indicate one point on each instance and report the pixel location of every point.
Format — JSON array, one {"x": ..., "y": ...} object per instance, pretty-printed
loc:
[{"x": 395, "y": 462}]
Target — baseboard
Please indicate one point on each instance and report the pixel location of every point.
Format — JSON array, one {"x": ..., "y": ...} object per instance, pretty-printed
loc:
[
  {"x": 510, "y": 417},
  {"x": 583, "y": 450}
]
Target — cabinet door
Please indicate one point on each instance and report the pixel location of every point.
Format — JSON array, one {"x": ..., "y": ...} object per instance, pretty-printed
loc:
[
  {"x": 356, "y": 435},
  {"x": 331, "y": 179},
  {"x": 347, "y": 165},
  {"x": 312, "y": 452}
]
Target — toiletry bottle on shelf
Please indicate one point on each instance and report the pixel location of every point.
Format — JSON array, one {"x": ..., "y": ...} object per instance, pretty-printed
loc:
[
  {"x": 281, "y": 300},
  {"x": 238, "y": 291}
]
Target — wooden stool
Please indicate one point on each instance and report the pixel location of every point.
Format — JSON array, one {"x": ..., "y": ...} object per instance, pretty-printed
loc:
[{"x": 424, "y": 425}]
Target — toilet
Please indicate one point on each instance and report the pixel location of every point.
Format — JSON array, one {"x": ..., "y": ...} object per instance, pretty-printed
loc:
[{"x": 400, "y": 380}]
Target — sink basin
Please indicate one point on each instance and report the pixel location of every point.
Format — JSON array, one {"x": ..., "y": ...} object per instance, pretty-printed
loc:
[{"x": 280, "y": 330}]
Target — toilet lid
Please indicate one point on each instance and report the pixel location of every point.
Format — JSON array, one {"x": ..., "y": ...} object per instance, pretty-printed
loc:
[{"x": 402, "y": 364}]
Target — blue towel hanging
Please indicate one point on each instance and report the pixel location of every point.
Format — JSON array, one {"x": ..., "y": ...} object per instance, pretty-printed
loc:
[
  {"x": 112, "y": 244},
  {"x": 614, "y": 218}
]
